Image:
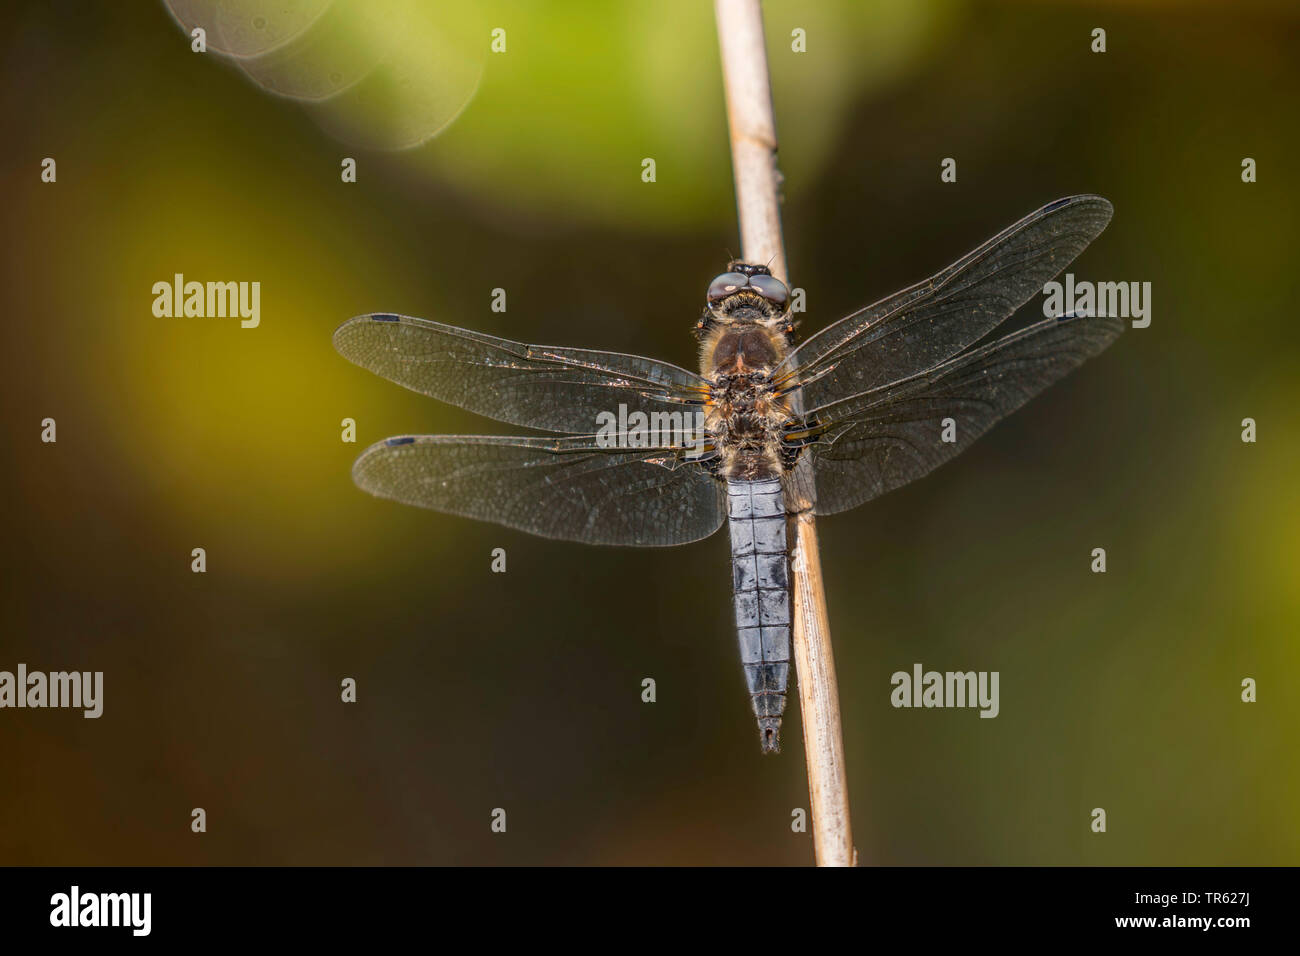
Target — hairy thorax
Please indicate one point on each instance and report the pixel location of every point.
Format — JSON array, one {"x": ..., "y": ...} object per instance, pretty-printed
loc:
[{"x": 745, "y": 415}]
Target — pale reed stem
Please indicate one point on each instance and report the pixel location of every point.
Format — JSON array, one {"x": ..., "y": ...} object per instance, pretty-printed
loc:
[{"x": 753, "y": 156}]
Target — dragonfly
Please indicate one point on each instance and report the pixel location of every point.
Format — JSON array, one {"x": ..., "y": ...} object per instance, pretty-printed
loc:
[{"x": 644, "y": 453}]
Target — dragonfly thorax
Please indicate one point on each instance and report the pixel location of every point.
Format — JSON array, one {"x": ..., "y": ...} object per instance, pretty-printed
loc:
[{"x": 744, "y": 415}]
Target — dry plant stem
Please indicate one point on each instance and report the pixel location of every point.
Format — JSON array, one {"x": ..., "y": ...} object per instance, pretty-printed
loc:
[
  {"x": 753, "y": 156},
  {"x": 819, "y": 702}
]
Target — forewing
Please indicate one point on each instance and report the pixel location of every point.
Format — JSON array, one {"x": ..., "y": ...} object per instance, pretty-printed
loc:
[
  {"x": 565, "y": 488},
  {"x": 553, "y": 389},
  {"x": 916, "y": 329},
  {"x": 883, "y": 439}
]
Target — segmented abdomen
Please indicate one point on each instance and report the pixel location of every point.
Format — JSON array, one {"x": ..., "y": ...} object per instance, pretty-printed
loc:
[{"x": 756, "y": 512}]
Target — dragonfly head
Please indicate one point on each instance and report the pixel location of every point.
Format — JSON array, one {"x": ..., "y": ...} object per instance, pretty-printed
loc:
[{"x": 746, "y": 293}]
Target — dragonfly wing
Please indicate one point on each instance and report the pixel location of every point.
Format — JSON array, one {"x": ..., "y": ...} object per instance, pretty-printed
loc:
[
  {"x": 883, "y": 439},
  {"x": 568, "y": 488},
  {"x": 553, "y": 389},
  {"x": 918, "y": 328}
]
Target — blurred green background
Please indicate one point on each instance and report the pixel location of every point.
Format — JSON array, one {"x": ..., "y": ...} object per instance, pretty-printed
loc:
[{"x": 522, "y": 691}]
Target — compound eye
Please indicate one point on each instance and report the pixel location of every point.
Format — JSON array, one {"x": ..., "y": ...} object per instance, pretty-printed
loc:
[
  {"x": 727, "y": 284},
  {"x": 770, "y": 288}
]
